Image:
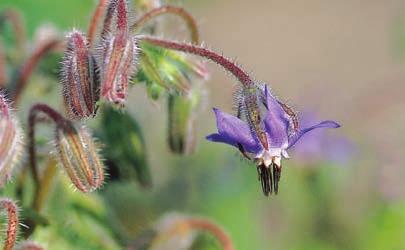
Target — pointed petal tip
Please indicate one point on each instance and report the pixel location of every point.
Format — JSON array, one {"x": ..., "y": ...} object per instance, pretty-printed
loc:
[
  {"x": 330, "y": 124},
  {"x": 211, "y": 137}
]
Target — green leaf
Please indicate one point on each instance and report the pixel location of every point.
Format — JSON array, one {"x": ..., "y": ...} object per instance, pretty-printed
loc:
[{"x": 125, "y": 146}]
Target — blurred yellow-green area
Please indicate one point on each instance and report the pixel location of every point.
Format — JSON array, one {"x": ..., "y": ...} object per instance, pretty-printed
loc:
[{"x": 341, "y": 60}]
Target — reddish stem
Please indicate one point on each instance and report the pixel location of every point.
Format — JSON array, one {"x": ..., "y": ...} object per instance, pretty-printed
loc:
[
  {"x": 228, "y": 65},
  {"x": 102, "y": 5},
  {"x": 28, "y": 67},
  {"x": 180, "y": 12},
  {"x": 211, "y": 227},
  {"x": 202, "y": 225},
  {"x": 32, "y": 119},
  {"x": 12, "y": 223},
  {"x": 16, "y": 21}
]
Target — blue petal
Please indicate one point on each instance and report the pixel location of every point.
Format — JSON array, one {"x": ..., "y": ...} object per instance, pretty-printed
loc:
[
  {"x": 324, "y": 124},
  {"x": 232, "y": 130},
  {"x": 276, "y": 121}
]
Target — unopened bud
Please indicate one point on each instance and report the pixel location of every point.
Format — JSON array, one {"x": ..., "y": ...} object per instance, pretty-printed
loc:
[
  {"x": 182, "y": 111},
  {"x": 119, "y": 63},
  {"x": 78, "y": 154},
  {"x": 12, "y": 222},
  {"x": 10, "y": 142},
  {"x": 79, "y": 77}
]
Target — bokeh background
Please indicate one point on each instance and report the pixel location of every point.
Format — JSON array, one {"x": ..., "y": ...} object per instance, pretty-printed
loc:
[{"x": 341, "y": 60}]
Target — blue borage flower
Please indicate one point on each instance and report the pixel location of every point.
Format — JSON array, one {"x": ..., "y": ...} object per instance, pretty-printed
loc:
[{"x": 281, "y": 132}]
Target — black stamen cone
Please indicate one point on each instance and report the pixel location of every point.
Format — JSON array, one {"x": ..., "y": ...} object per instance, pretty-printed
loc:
[
  {"x": 276, "y": 176},
  {"x": 265, "y": 178}
]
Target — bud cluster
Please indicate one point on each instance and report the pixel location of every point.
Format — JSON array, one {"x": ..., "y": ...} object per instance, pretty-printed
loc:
[{"x": 84, "y": 78}]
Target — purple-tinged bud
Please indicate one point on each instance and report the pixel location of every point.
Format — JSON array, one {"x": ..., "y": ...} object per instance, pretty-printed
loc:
[
  {"x": 119, "y": 64},
  {"x": 78, "y": 154},
  {"x": 79, "y": 77},
  {"x": 10, "y": 142},
  {"x": 12, "y": 222}
]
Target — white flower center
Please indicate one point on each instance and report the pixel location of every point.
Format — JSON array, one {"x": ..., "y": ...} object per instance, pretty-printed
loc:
[{"x": 273, "y": 155}]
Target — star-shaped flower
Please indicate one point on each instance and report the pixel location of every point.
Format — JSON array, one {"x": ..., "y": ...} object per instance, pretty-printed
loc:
[{"x": 280, "y": 131}]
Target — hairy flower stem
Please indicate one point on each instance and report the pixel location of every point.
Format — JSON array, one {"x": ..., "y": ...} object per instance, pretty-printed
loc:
[
  {"x": 228, "y": 65},
  {"x": 15, "y": 19},
  {"x": 12, "y": 222},
  {"x": 180, "y": 12},
  {"x": 102, "y": 5},
  {"x": 250, "y": 99},
  {"x": 200, "y": 225},
  {"x": 28, "y": 67}
]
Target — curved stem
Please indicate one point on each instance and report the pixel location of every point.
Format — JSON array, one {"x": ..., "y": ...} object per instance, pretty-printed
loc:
[
  {"x": 27, "y": 68},
  {"x": 212, "y": 228},
  {"x": 32, "y": 118},
  {"x": 102, "y": 5},
  {"x": 16, "y": 21},
  {"x": 180, "y": 12},
  {"x": 197, "y": 224},
  {"x": 12, "y": 223},
  {"x": 228, "y": 65}
]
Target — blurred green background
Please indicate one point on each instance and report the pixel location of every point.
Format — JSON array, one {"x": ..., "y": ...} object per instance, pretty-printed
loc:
[{"x": 343, "y": 60}]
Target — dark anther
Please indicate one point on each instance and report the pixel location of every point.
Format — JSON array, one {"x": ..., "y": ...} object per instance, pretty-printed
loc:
[
  {"x": 265, "y": 179},
  {"x": 243, "y": 152},
  {"x": 276, "y": 176}
]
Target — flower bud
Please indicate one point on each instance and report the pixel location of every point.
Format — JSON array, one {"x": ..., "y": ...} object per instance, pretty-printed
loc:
[
  {"x": 78, "y": 154},
  {"x": 119, "y": 63},
  {"x": 12, "y": 222},
  {"x": 182, "y": 111},
  {"x": 10, "y": 142},
  {"x": 169, "y": 70},
  {"x": 79, "y": 77}
]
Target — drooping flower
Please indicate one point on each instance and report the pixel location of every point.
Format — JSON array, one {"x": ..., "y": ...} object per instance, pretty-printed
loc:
[{"x": 281, "y": 133}]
